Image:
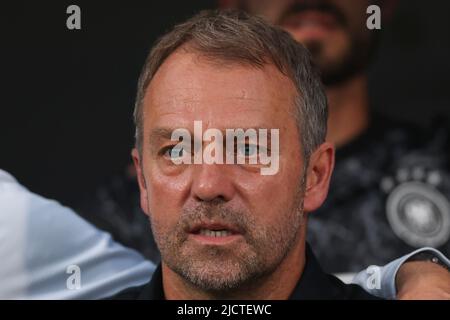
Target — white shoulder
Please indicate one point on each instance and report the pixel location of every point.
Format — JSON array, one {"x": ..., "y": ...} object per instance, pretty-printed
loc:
[{"x": 46, "y": 241}]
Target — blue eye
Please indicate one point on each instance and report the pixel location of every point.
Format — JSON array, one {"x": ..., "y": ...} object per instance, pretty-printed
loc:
[
  {"x": 248, "y": 150},
  {"x": 174, "y": 152}
]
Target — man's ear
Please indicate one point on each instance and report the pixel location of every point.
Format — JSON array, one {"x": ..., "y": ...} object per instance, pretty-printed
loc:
[
  {"x": 141, "y": 179},
  {"x": 320, "y": 168}
]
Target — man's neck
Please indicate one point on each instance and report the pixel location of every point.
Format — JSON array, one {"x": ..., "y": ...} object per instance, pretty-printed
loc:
[
  {"x": 277, "y": 286},
  {"x": 348, "y": 110}
]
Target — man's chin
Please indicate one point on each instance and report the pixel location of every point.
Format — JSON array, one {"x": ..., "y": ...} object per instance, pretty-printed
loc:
[
  {"x": 336, "y": 69},
  {"x": 213, "y": 256},
  {"x": 215, "y": 269},
  {"x": 214, "y": 275}
]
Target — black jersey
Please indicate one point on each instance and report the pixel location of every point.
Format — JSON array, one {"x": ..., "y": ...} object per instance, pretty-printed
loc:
[{"x": 388, "y": 196}]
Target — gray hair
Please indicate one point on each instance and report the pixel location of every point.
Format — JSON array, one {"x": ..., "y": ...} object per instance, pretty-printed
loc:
[{"x": 235, "y": 36}]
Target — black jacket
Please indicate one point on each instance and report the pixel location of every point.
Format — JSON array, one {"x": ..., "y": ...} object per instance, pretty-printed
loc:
[{"x": 314, "y": 284}]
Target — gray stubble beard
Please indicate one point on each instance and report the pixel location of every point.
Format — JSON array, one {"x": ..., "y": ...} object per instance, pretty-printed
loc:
[{"x": 221, "y": 271}]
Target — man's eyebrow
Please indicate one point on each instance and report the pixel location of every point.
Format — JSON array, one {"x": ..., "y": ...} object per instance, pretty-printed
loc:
[
  {"x": 256, "y": 128},
  {"x": 164, "y": 133},
  {"x": 158, "y": 134}
]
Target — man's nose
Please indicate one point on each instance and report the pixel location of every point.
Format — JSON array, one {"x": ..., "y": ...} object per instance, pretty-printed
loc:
[{"x": 212, "y": 182}]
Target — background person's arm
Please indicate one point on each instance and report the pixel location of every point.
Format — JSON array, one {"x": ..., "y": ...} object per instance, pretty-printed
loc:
[
  {"x": 40, "y": 241},
  {"x": 403, "y": 279}
]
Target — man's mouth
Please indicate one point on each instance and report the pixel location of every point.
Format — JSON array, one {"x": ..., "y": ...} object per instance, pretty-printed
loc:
[
  {"x": 323, "y": 17},
  {"x": 311, "y": 24},
  {"x": 315, "y": 18},
  {"x": 214, "y": 233}
]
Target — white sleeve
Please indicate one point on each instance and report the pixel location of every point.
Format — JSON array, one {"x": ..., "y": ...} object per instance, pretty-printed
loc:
[
  {"x": 43, "y": 245},
  {"x": 380, "y": 281}
]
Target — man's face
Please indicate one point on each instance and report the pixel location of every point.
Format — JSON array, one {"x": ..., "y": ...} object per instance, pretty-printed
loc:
[
  {"x": 260, "y": 217},
  {"x": 334, "y": 31}
]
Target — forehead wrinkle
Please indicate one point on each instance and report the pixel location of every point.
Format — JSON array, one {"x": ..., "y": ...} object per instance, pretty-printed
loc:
[
  {"x": 206, "y": 96},
  {"x": 197, "y": 94},
  {"x": 184, "y": 118},
  {"x": 187, "y": 104}
]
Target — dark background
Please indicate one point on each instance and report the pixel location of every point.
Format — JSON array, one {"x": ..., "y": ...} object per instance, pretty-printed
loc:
[{"x": 67, "y": 96}]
